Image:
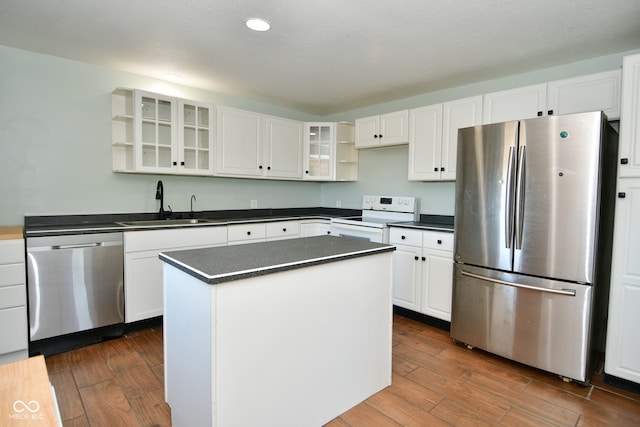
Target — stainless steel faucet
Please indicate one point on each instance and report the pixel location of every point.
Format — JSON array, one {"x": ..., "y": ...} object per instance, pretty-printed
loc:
[{"x": 193, "y": 199}]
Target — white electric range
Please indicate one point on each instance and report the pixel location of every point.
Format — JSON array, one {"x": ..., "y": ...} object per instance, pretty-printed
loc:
[{"x": 377, "y": 213}]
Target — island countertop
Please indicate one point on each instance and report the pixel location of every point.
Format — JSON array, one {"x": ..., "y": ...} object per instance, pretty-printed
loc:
[{"x": 225, "y": 263}]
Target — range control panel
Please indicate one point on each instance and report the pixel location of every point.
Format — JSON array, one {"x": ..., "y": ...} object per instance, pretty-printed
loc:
[{"x": 390, "y": 203}]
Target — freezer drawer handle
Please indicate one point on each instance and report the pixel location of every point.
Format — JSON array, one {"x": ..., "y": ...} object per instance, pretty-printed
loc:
[{"x": 569, "y": 292}]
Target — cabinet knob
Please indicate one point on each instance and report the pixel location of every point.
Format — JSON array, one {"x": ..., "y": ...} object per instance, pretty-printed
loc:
[
  {"x": 439, "y": 241},
  {"x": 260, "y": 167},
  {"x": 622, "y": 195},
  {"x": 284, "y": 229},
  {"x": 268, "y": 168},
  {"x": 375, "y": 136},
  {"x": 539, "y": 113},
  {"x": 624, "y": 161},
  {"x": 435, "y": 169},
  {"x": 416, "y": 257},
  {"x": 248, "y": 233},
  {"x": 307, "y": 172},
  {"x": 403, "y": 237},
  {"x": 175, "y": 163},
  {"x": 441, "y": 169},
  {"x": 181, "y": 163},
  {"x": 379, "y": 136},
  {"x": 550, "y": 112},
  {"x": 424, "y": 258}
]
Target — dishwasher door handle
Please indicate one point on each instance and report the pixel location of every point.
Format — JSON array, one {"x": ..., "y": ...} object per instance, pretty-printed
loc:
[{"x": 80, "y": 246}]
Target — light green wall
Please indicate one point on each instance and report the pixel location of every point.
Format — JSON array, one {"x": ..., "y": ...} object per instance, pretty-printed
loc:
[{"x": 55, "y": 155}]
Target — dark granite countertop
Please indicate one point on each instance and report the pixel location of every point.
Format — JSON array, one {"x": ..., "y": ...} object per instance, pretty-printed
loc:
[
  {"x": 428, "y": 222},
  {"x": 226, "y": 263},
  {"x": 48, "y": 225},
  {"x": 423, "y": 226}
]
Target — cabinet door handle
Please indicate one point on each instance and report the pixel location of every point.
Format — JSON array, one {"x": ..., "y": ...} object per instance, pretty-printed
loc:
[
  {"x": 622, "y": 195},
  {"x": 403, "y": 237},
  {"x": 539, "y": 113},
  {"x": 307, "y": 172},
  {"x": 181, "y": 163},
  {"x": 375, "y": 136},
  {"x": 380, "y": 136},
  {"x": 248, "y": 233},
  {"x": 260, "y": 167},
  {"x": 550, "y": 112},
  {"x": 424, "y": 259},
  {"x": 441, "y": 169},
  {"x": 175, "y": 163},
  {"x": 439, "y": 241},
  {"x": 435, "y": 169},
  {"x": 284, "y": 229},
  {"x": 624, "y": 161},
  {"x": 268, "y": 168},
  {"x": 416, "y": 258}
]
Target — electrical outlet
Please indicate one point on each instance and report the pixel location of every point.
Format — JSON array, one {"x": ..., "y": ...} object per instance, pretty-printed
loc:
[
  {"x": 254, "y": 204},
  {"x": 338, "y": 203}
]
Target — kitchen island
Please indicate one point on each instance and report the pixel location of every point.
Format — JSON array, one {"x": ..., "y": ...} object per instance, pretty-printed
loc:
[{"x": 289, "y": 332}]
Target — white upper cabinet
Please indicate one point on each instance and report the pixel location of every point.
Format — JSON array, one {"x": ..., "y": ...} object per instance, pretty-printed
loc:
[
  {"x": 514, "y": 104},
  {"x": 329, "y": 152},
  {"x": 156, "y": 149},
  {"x": 433, "y": 137},
  {"x": 238, "y": 143},
  {"x": 629, "y": 148},
  {"x": 283, "y": 148},
  {"x": 593, "y": 92},
  {"x": 195, "y": 139},
  {"x": 383, "y": 130},
  {"x": 252, "y": 145},
  {"x": 153, "y": 133}
]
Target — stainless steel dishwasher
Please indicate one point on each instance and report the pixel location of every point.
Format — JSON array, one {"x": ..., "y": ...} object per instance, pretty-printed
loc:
[{"x": 75, "y": 283}]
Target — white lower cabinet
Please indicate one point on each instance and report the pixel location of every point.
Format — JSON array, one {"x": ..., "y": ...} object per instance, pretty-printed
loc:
[
  {"x": 423, "y": 271},
  {"x": 13, "y": 302},
  {"x": 143, "y": 268},
  {"x": 281, "y": 230},
  {"x": 309, "y": 228},
  {"x": 623, "y": 336}
]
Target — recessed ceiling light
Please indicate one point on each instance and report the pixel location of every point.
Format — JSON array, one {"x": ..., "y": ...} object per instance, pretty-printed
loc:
[
  {"x": 173, "y": 76},
  {"x": 258, "y": 24}
]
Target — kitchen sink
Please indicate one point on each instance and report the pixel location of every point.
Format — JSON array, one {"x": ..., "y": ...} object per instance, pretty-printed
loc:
[{"x": 166, "y": 222}]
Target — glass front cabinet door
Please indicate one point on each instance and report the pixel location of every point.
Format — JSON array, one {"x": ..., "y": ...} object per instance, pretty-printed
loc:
[
  {"x": 195, "y": 139},
  {"x": 319, "y": 151},
  {"x": 156, "y": 148}
]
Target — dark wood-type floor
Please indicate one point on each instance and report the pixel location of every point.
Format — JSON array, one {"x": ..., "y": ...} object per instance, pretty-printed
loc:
[{"x": 435, "y": 383}]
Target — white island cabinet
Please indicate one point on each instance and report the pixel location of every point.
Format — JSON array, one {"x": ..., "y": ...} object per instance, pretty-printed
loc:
[{"x": 281, "y": 333}]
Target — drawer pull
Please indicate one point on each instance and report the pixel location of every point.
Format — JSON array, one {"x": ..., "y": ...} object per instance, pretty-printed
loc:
[
  {"x": 403, "y": 237},
  {"x": 439, "y": 241}
]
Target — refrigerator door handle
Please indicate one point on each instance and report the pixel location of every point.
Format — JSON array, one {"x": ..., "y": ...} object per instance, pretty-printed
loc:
[
  {"x": 508, "y": 213},
  {"x": 520, "y": 197},
  {"x": 568, "y": 292}
]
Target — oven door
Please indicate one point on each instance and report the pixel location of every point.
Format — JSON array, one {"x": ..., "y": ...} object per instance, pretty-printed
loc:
[{"x": 353, "y": 231}]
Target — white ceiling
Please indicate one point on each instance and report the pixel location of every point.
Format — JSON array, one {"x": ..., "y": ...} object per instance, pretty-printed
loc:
[{"x": 324, "y": 56}]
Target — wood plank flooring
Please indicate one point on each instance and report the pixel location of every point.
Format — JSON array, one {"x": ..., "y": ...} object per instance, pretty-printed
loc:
[{"x": 435, "y": 383}]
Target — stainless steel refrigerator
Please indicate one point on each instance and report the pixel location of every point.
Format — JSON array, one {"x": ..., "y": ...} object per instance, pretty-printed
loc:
[{"x": 533, "y": 231}]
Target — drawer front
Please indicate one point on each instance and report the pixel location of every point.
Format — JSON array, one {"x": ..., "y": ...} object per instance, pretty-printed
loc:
[
  {"x": 405, "y": 236},
  {"x": 175, "y": 238},
  {"x": 246, "y": 231},
  {"x": 283, "y": 229},
  {"x": 11, "y": 275},
  {"x": 11, "y": 251},
  {"x": 13, "y": 329},
  {"x": 13, "y": 296},
  {"x": 438, "y": 240}
]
